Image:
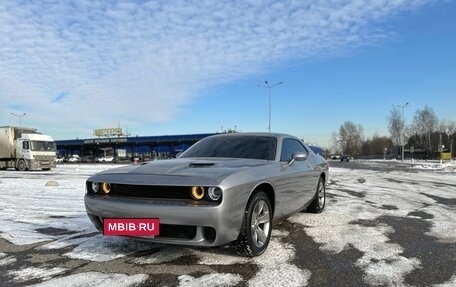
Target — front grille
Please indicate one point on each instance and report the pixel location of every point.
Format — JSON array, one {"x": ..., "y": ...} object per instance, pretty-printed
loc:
[
  {"x": 44, "y": 157},
  {"x": 151, "y": 191},
  {"x": 180, "y": 193}
]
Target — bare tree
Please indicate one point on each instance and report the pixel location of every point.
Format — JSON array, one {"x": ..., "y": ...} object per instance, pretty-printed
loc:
[
  {"x": 425, "y": 123},
  {"x": 351, "y": 138},
  {"x": 451, "y": 127},
  {"x": 335, "y": 147},
  {"x": 442, "y": 126},
  {"x": 396, "y": 125},
  {"x": 447, "y": 126}
]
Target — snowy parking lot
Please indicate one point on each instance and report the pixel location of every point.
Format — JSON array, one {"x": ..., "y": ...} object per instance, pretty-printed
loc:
[{"x": 384, "y": 225}]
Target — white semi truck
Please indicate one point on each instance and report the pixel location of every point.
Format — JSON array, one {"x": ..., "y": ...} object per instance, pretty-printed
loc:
[{"x": 26, "y": 149}]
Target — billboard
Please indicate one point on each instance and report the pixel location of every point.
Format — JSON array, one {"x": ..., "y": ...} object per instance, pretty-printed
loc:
[{"x": 108, "y": 132}]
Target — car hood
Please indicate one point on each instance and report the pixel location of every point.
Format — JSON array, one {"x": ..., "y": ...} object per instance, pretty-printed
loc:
[{"x": 180, "y": 171}]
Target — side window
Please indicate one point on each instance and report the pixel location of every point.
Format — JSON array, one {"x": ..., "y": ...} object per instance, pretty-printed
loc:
[
  {"x": 25, "y": 145},
  {"x": 289, "y": 147}
]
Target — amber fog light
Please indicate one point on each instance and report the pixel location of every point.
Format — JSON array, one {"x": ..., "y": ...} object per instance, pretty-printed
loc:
[
  {"x": 197, "y": 192},
  {"x": 106, "y": 187},
  {"x": 214, "y": 193}
]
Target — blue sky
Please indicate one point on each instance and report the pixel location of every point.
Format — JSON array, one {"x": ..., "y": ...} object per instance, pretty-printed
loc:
[{"x": 174, "y": 67}]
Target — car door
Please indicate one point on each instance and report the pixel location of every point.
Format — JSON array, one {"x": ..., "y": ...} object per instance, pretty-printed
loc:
[
  {"x": 23, "y": 150},
  {"x": 297, "y": 188}
]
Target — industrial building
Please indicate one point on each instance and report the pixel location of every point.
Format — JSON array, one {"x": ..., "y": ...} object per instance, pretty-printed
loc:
[{"x": 142, "y": 147}]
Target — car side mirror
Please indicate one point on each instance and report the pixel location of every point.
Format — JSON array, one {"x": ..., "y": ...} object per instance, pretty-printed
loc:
[{"x": 298, "y": 156}]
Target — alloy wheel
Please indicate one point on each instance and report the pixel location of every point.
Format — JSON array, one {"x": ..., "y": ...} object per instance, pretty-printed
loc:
[{"x": 260, "y": 223}]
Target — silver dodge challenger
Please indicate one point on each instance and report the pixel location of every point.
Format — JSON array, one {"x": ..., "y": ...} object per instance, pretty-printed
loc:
[{"x": 226, "y": 188}]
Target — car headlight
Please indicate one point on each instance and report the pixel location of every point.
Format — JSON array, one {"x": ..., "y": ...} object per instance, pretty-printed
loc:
[
  {"x": 214, "y": 193},
  {"x": 95, "y": 187}
]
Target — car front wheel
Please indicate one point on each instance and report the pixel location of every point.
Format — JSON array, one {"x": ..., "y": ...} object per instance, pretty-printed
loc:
[
  {"x": 256, "y": 228},
  {"x": 319, "y": 201}
]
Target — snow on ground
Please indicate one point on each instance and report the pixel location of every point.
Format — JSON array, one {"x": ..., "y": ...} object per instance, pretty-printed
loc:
[
  {"x": 275, "y": 266},
  {"x": 451, "y": 283},
  {"x": 168, "y": 253},
  {"x": 32, "y": 212},
  {"x": 389, "y": 194},
  {"x": 32, "y": 273},
  {"x": 209, "y": 280},
  {"x": 434, "y": 165},
  {"x": 5, "y": 260},
  {"x": 447, "y": 166},
  {"x": 94, "y": 279},
  {"x": 104, "y": 248},
  {"x": 29, "y": 205}
]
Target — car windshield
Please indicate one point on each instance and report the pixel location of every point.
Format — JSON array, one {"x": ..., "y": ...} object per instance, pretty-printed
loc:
[
  {"x": 254, "y": 147},
  {"x": 43, "y": 146}
]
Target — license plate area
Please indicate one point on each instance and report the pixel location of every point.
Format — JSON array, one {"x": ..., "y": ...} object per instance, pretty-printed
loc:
[{"x": 131, "y": 227}]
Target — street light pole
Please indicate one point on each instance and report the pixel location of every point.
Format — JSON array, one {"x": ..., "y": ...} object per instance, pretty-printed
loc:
[
  {"x": 269, "y": 87},
  {"x": 20, "y": 118}
]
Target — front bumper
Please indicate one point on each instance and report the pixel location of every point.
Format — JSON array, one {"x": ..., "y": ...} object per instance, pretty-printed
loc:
[
  {"x": 42, "y": 164},
  {"x": 181, "y": 222}
]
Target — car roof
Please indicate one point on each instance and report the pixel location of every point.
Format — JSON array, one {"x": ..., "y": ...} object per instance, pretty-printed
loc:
[
  {"x": 278, "y": 136},
  {"x": 264, "y": 134}
]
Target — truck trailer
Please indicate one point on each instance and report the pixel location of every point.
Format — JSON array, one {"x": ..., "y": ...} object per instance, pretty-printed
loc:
[{"x": 26, "y": 149}]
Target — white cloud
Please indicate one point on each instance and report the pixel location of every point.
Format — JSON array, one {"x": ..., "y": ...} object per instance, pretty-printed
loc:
[{"x": 109, "y": 57}]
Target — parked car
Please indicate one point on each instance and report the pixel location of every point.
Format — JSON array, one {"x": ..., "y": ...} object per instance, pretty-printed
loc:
[
  {"x": 345, "y": 157},
  {"x": 225, "y": 188},
  {"x": 122, "y": 159},
  {"x": 74, "y": 158},
  {"x": 104, "y": 159},
  {"x": 88, "y": 159}
]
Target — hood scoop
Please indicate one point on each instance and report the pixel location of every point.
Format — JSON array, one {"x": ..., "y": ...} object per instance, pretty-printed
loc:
[{"x": 201, "y": 164}]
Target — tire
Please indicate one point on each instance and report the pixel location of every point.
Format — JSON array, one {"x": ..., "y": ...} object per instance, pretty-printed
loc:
[
  {"x": 319, "y": 201},
  {"x": 21, "y": 165},
  {"x": 256, "y": 227}
]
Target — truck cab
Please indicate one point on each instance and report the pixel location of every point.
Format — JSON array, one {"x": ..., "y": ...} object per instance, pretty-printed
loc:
[{"x": 35, "y": 151}]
